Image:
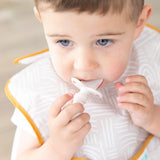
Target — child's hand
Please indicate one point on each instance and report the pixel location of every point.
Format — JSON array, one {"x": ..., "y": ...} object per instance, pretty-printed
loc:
[
  {"x": 67, "y": 134},
  {"x": 136, "y": 97}
]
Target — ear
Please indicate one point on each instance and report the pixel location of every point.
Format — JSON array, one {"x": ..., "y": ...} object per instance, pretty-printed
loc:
[
  {"x": 36, "y": 13},
  {"x": 144, "y": 16}
]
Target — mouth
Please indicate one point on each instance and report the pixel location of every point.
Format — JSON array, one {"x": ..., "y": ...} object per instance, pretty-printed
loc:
[{"x": 95, "y": 84}]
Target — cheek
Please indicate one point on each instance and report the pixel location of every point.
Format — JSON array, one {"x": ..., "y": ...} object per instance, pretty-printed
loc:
[
  {"x": 61, "y": 63},
  {"x": 62, "y": 66},
  {"x": 118, "y": 70},
  {"x": 115, "y": 68},
  {"x": 118, "y": 62}
]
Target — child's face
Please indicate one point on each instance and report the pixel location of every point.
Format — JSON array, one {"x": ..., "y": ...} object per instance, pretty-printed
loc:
[{"x": 88, "y": 47}]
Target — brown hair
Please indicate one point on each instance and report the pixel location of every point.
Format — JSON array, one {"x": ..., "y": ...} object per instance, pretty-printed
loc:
[{"x": 133, "y": 7}]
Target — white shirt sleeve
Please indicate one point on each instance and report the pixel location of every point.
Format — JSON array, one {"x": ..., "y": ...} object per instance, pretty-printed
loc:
[{"x": 20, "y": 121}]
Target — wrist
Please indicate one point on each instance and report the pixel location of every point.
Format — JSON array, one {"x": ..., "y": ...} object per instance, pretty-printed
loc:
[
  {"x": 55, "y": 152},
  {"x": 154, "y": 126}
]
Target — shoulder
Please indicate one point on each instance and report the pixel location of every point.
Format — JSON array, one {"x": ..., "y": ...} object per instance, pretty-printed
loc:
[
  {"x": 22, "y": 85},
  {"x": 37, "y": 85},
  {"x": 37, "y": 78},
  {"x": 32, "y": 91}
]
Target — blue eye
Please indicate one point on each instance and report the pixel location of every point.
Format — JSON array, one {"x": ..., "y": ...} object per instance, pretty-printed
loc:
[
  {"x": 65, "y": 43},
  {"x": 103, "y": 42}
]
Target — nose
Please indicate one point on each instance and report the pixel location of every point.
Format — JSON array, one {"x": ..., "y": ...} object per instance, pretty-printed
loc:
[{"x": 85, "y": 60}]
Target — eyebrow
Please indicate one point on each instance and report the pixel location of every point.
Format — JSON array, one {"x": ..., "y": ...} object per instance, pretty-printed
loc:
[
  {"x": 97, "y": 35},
  {"x": 58, "y": 35},
  {"x": 110, "y": 34}
]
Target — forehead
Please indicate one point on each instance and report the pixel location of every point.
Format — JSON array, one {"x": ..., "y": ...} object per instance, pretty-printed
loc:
[{"x": 71, "y": 21}]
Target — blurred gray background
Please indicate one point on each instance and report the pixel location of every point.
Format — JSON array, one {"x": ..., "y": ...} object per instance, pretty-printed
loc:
[{"x": 21, "y": 34}]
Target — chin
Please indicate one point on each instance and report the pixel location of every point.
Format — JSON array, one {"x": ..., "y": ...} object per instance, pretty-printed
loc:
[{"x": 105, "y": 83}]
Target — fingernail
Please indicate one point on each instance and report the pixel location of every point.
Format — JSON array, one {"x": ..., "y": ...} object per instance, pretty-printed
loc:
[
  {"x": 118, "y": 98},
  {"x": 121, "y": 89},
  {"x": 120, "y": 104},
  {"x": 127, "y": 80}
]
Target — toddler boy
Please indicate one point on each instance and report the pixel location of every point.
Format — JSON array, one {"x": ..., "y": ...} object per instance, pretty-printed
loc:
[{"x": 90, "y": 40}]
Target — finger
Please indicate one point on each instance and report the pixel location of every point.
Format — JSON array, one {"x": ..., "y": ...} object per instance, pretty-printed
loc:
[
  {"x": 69, "y": 112},
  {"x": 118, "y": 85},
  {"x": 136, "y": 87},
  {"x": 79, "y": 122},
  {"x": 132, "y": 108},
  {"x": 55, "y": 108},
  {"x": 82, "y": 132},
  {"x": 136, "y": 78},
  {"x": 135, "y": 98}
]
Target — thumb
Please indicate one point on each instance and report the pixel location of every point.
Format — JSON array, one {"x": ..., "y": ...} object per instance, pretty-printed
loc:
[{"x": 57, "y": 105}]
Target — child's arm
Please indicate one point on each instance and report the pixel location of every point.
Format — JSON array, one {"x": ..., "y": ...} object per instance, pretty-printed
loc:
[
  {"x": 66, "y": 134},
  {"x": 27, "y": 146},
  {"x": 136, "y": 97}
]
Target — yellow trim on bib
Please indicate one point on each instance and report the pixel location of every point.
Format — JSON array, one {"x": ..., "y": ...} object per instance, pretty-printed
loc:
[
  {"x": 152, "y": 27},
  {"x": 26, "y": 115},
  {"x": 16, "y": 61},
  {"x": 143, "y": 148}
]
